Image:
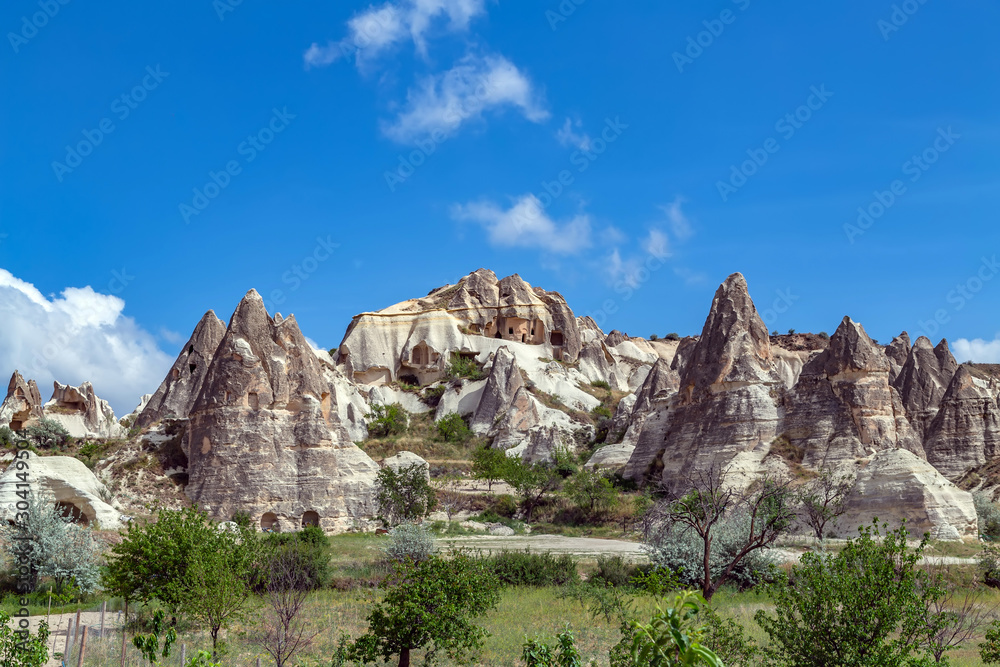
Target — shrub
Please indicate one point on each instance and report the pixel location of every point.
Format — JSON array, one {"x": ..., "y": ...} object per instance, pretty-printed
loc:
[
  {"x": 386, "y": 420},
  {"x": 614, "y": 570},
  {"x": 791, "y": 332},
  {"x": 405, "y": 495},
  {"x": 522, "y": 568},
  {"x": 463, "y": 367},
  {"x": 304, "y": 549},
  {"x": 601, "y": 384},
  {"x": 672, "y": 336},
  {"x": 432, "y": 395},
  {"x": 47, "y": 433},
  {"x": 654, "y": 337},
  {"x": 989, "y": 516},
  {"x": 7, "y": 437},
  {"x": 824, "y": 335},
  {"x": 21, "y": 648},
  {"x": 602, "y": 412},
  {"x": 505, "y": 506},
  {"x": 591, "y": 491},
  {"x": 681, "y": 550},
  {"x": 409, "y": 540},
  {"x": 452, "y": 428}
]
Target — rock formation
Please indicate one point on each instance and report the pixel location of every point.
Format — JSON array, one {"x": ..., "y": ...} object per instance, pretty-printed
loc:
[
  {"x": 81, "y": 412},
  {"x": 923, "y": 380},
  {"x": 264, "y": 436},
  {"x": 417, "y": 338},
  {"x": 502, "y": 386},
  {"x": 22, "y": 407},
  {"x": 180, "y": 388},
  {"x": 965, "y": 431},
  {"x": 403, "y": 460},
  {"x": 75, "y": 489}
]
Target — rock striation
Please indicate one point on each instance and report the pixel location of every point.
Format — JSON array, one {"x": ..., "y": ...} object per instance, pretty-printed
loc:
[
  {"x": 22, "y": 407},
  {"x": 965, "y": 431},
  {"x": 264, "y": 435},
  {"x": 180, "y": 388}
]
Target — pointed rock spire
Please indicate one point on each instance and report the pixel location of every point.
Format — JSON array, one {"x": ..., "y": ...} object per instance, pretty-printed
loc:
[
  {"x": 923, "y": 379},
  {"x": 22, "y": 406},
  {"x": 965, "y": 432}
]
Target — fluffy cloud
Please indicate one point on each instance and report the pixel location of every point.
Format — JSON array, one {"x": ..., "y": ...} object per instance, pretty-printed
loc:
[
  {"x": 440, "y": 104},
  {"x": 78, "y": 336},
  {"x": 568, "y": 137},
  {"x": 377, "y": 30},
  {"x": 526, "y": 225},
  {"x": 977, "y": 349}
]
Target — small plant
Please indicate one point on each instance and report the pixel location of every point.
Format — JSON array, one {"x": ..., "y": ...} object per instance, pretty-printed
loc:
[
  {"x": 602, "y": 384},
  {"x": 452, "y": 428},
  {"x": 386, "y": 420},
  {"x": 824, "y": 335},
  {"x": 432, "y": 395},
  {"x": 21, "y": 648},
  {"x": 463, "y": 367},
  {"x": 672, "y": 336},
  {"x": 149, "y": 645},
  {"x": 775, "y": 333},
  {"x": 202, "y": 659},
  {"x": 654, "y": 337},
  {"x": 523, "y": 568},
  {"x": 538, "y": 654},
  {"x": 989, "y": 516},
  {"x": 601, "y": 412}
]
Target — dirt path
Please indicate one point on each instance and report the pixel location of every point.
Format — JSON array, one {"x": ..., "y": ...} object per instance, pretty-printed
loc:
[{"x": 558, "y": 544}]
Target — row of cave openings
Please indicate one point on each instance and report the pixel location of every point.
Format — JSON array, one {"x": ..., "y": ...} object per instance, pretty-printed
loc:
[
  {"x": 269, "y": 521},
  {"x": 515, "y": 329}
]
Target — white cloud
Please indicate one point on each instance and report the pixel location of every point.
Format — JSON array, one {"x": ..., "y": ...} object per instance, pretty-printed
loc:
[
  {"x": 977, "y": 349},
  {"x": 526, "y": 225},
  {"x": 78, "y": 336},
  {"x": 377, "y": 30},
  {"x": 656, "y": 244},
  {"x": 567, "y": 136},
  {"x": 442, "y": 103},
  {"x": 680, "y": 225}
]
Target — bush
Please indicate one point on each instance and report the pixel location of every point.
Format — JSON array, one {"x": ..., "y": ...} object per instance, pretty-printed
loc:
[
  {"x": 7, "y": 437},
  {"x": 614, "y": 570},
  {"x": 989, "y": 516},
  {"x": 47, "y": 433},
  {"x": 307, "y": 549},
  {"x": 505, "y": 506},
  {"x": 681, "y": 550},
  {"x": 602, "y": 412},
  {"x": 432, "y": 395},
  {"x": 385, "y": 420},
  {"x": 522, "y": 568},
  {"x": 404, "y": 496},
  {"x": 463, "y": 367},
  {"x": 601, "y": 384},
  {"x": 23, "y": 650},
  {"x": 452, "y": 428},
  {"x": 672, "y": 336},
  {"x": 654, "y": 337},
  {"x": 409, "y": 540}
]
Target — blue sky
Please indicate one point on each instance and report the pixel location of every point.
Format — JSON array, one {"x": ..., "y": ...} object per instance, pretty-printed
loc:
[{"x": 158, "y": 160}]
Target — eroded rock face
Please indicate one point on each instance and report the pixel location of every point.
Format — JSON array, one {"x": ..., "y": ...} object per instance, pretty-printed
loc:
[
  {"x": 965, "y": 431},
  {"x": 897, "y": 351},
  {"x": 897, "y": 485},
  {"x": 923, "y": 380},
  {"x": 180, "y": 388},
  {"x": 81, "y": 412},
  {"x": 475, "y": 317},
  {"x": 22, "y": 407},
  {"x": 71, "y": 484},
  {"x": 502, "y": 385},
  {"x": 264, "y": 436}
]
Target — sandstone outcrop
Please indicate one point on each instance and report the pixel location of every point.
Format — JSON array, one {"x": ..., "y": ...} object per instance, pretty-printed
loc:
[
  {"x": 923, "y": 380},
  {"x": 417, "y": 338},
  {"x": 965, "y": 431},
  {"x": 502, "y": 385},
  {"x": 897, "y": 485},
  {"x": 403, "y": 460},
  {"x": 22, "y": 407},
  {"x": 180, "y": 388},
  {"x": 264, "y": 436},
  {"x": 71, "y": 484},
  {"x": 81, "y": 412}
]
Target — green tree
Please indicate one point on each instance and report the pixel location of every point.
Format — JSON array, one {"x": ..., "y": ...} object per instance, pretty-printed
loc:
[
  {"x": 20, "y": 648},
  {"x": 386, "y": 420},
  {"x": 865, "y": 606},
  {"x": 824, "y": 500},
  {"x": 531, "y": 481},
  {"x": 489, "y": 465},
  {"x": 988, "y": 514},
  {"x": 405, "y": 495},
  {"x": 47, "y": 433},
  {"x": 452, "y": 428},
  {"x": 989, "y": 650},
  {"x": 430, "y": 605},
  {"x": 673, "y": 636},
  {"x": 591, "y": 491}
]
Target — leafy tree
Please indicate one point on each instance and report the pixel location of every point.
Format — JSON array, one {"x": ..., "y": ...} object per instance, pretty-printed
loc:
[
  {"x": 824, "y": 500},
  {"x": 531, "y": 481},
  {"x": 865, "y": 606},
  {"x": 149, "y": 645},
  {"x": 764, "y": 512},
  {"x": 489, "y": 465},
  {"x": 673, "y": 636},
  {"x": 988, "y": 514},
  {"x": 452, "y": 428},
  {"x": 591, "y": 491},
  {"x": 405, "y": 495},
  {"x": 53, "y": 545},
  {"x": 47, "y": 433},
  {"x": 21, "y": 648},
  {"x": 429, "y": 605},
  {"x": 989, "y": 650},
  {"x": 386, "y": 420}
]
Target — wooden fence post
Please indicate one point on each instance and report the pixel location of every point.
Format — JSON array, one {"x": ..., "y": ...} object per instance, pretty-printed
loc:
[
  {"x": 83, "y": 646},
  {"x": 69, "y": 637},
  {"x": 104, "y": 608},
  {"x": 184, "y": 650}
]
